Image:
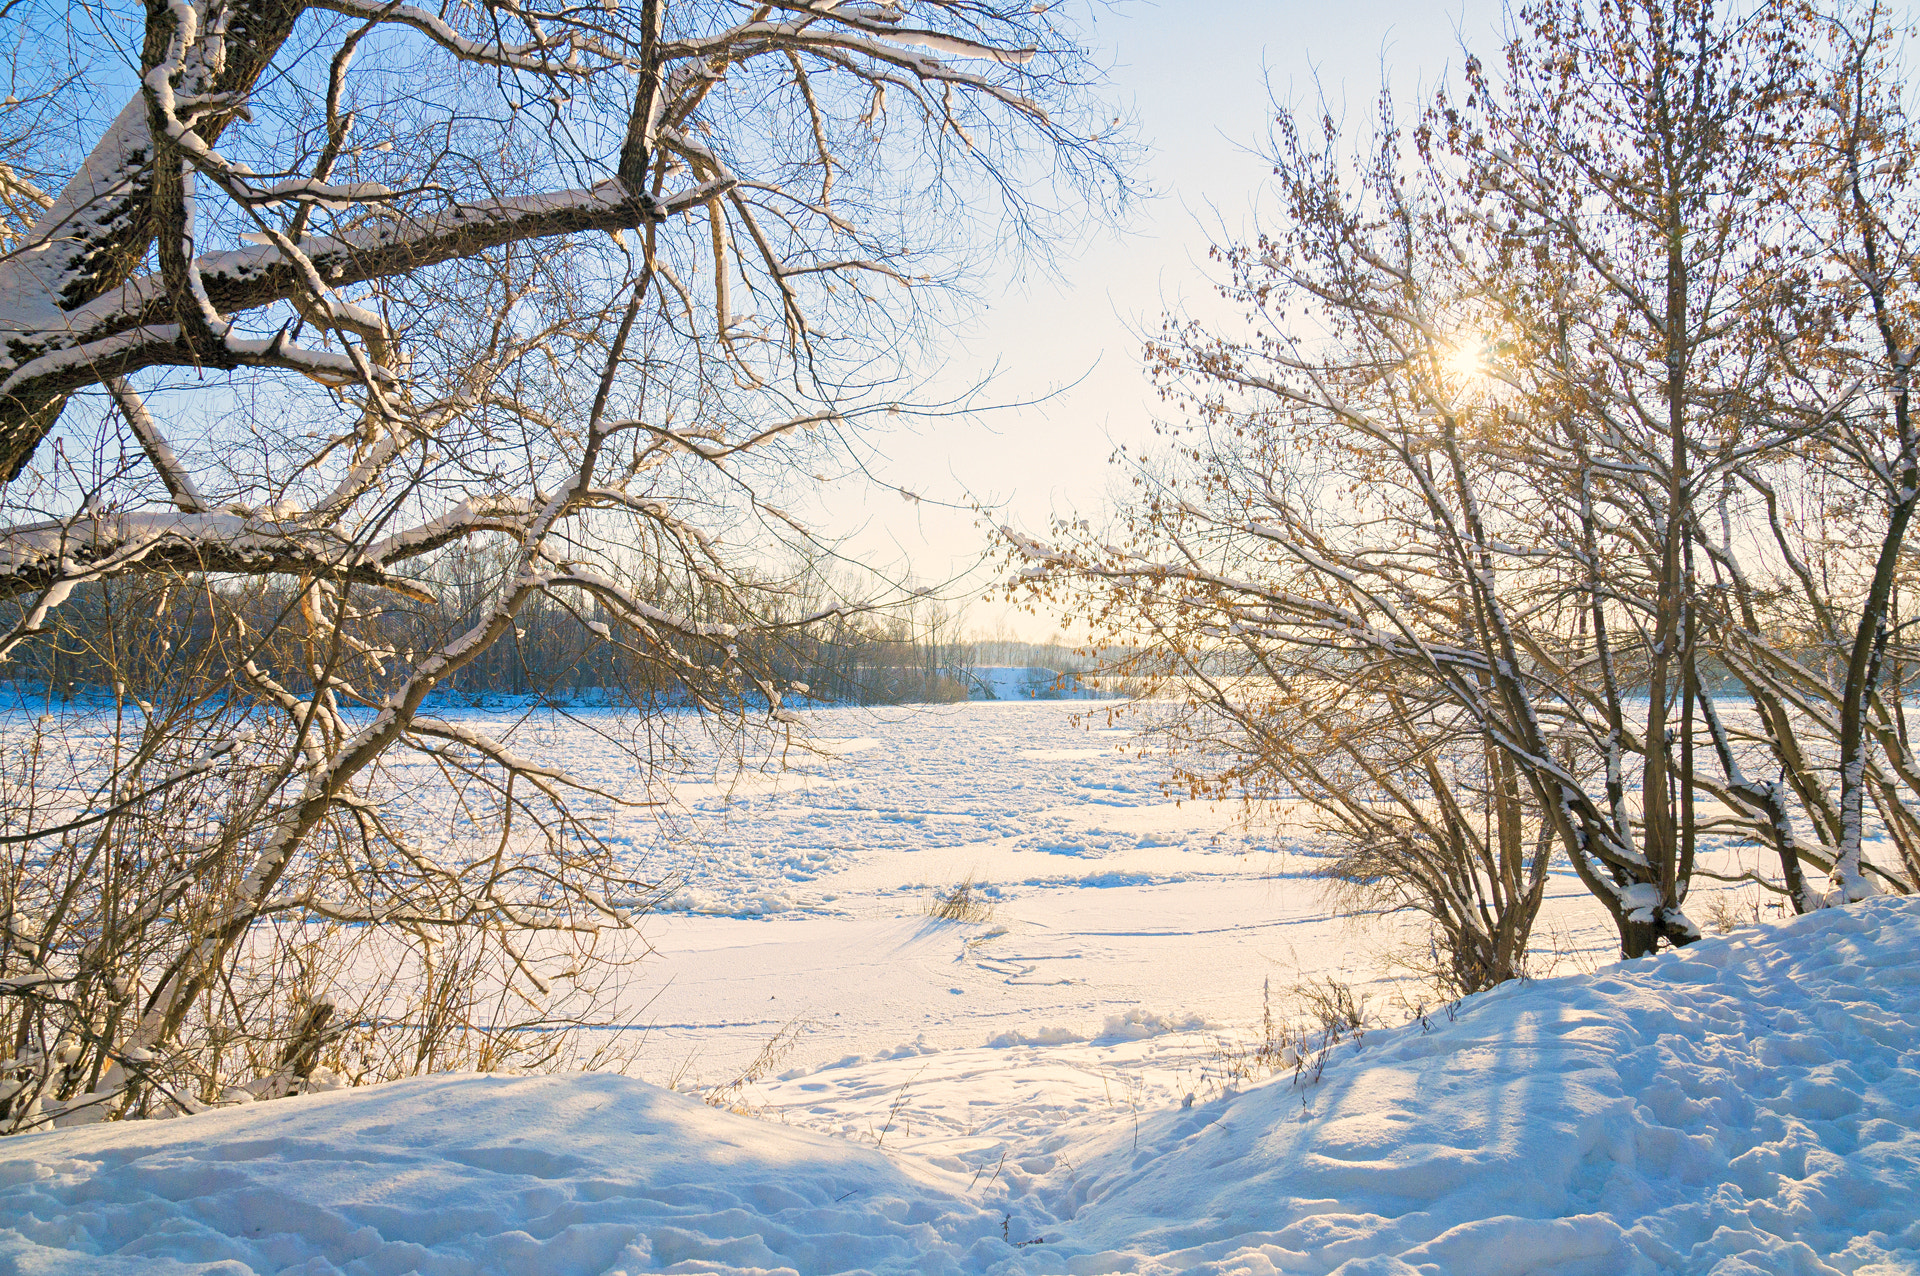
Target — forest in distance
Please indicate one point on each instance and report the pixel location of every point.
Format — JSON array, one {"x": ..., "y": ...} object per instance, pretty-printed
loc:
[{"x": 114, "y": 635}]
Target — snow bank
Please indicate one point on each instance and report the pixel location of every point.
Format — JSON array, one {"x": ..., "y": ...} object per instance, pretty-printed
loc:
[
  {"x": 1745, "y": 1105},
  {"x": 1748, "y": 1105},
  {"x": 1050, "y": 1035},
  {"x": 454, "y": 1175},
  {"x": 1139, "y": 1024}
]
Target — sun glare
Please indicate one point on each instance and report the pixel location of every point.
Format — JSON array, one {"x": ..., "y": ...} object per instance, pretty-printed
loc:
[{"x": 1465, "y": 362}]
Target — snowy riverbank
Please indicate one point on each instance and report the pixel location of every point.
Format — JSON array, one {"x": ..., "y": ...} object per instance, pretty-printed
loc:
[{"x": 1748, "y": 1105}]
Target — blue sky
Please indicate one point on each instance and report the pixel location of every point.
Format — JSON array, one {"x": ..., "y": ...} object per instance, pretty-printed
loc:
[{"x": 1202, "y": 80}]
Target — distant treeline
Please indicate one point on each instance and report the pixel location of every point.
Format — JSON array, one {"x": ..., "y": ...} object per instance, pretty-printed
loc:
[{"x": 147, "y": 637}]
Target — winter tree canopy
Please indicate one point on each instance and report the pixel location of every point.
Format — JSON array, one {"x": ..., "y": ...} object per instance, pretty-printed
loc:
[
  {"x": 338, "y": 335},
  {"x": 1570, "y": 416}
]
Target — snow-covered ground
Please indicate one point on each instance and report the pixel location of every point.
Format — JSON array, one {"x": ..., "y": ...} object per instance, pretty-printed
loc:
[
  {"x": 1748, "y": 1105},
  {"x": 946, "y": 1090},
  {"x": 801, "y": 897},
  {"x": 799, "y": 893}
]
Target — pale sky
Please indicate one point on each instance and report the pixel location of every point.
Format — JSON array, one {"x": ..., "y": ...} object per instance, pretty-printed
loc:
[{"x": 1200, "y": 77}]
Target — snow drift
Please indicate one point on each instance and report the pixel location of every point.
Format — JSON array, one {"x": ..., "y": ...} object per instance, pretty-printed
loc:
[
  {"x": 1744, "y": 1105},
  {"x": 1748, "y": 1105}
]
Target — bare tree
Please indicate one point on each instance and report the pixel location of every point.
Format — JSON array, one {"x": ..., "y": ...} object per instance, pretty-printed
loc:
[
  {"x": 1860, "y": 353},
  {"x": 1514, "y": 446},
  {"x": 330, "y": 289},
  {"x": 1366, "y": 493}
]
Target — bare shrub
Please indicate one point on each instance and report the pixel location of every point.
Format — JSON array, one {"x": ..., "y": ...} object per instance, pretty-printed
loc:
[
  {"x": 1417, "y": 813},
  {"x": 99, "y": 918}
]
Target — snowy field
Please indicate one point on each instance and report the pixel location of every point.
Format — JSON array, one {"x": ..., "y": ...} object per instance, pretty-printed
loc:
[
  {"x": 1055, "y": 1089},
  {"x": 1119, "y": 914}
]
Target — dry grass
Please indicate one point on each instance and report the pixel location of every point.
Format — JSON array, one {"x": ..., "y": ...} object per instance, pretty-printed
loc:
[
  {"x": 1730, "y": 910},
  {"x": 1333, "y": 1004},
  {"x": 731, "y": 1095},
  {"x": 963, "y": 903},
  {"x": 1328, "y": 1012}
]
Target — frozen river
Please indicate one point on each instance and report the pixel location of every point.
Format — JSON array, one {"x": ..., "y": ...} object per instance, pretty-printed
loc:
[{"x": 1131, "y": 932}]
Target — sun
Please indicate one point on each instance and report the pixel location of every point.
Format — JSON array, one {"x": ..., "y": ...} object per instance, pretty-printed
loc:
[{"x": 1466, "y": 360}]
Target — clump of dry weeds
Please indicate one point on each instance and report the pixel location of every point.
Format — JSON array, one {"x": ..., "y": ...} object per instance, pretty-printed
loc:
[
  {"x": 1327, "y": 1012},
  {"x": 964, "y": 903}
]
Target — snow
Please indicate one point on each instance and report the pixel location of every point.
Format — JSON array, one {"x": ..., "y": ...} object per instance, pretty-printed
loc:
[
  {"x": 1031, "y": 682},
  {"x": 1069, "y": 1071},
  {"x": 472, "y": 1174},
  {"x": 1746, "y": 1105},
  {"x": 1752, "y": 1100}
]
